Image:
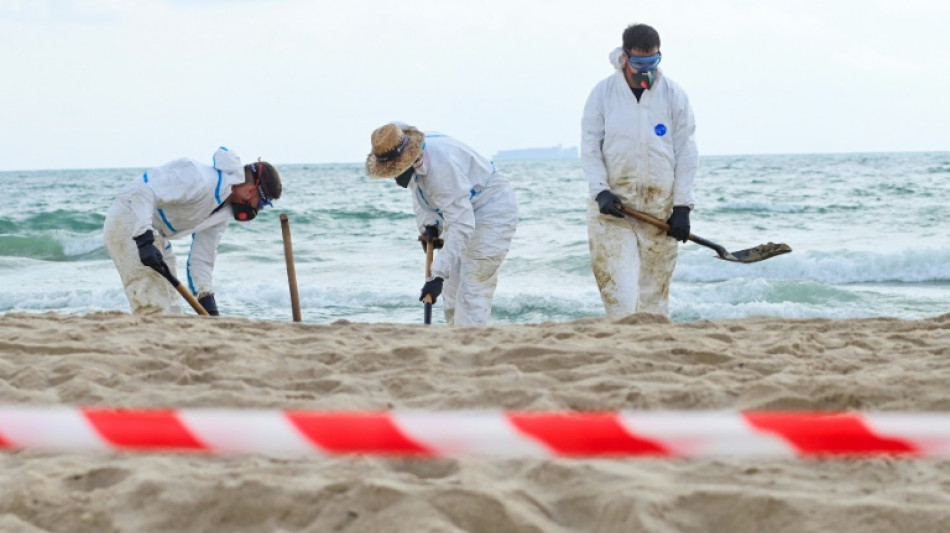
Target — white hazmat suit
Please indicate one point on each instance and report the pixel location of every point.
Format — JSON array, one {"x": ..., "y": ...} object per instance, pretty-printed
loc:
[
  {"x": 177, "y": 199},
  {"x": 475, "y": 209},
  {"x": 644, "y": 152}
]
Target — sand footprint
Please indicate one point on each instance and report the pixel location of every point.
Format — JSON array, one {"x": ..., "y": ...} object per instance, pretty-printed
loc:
[{"x": 98, "y": 478}]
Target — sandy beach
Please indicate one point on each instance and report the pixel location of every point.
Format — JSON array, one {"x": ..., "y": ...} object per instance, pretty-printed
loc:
[{"x": 642, "y": 362}]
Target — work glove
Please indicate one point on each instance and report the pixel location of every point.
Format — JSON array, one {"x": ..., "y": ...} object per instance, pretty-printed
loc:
[
  {"x": 431, "y": 233},
  {"x": 679, "y": 223},
  {"x": 149, "y": 254},
  {"x": 207, "y": 301},
  {"x": 432, "y": 288},
  {"x": 608, "y": 203}
]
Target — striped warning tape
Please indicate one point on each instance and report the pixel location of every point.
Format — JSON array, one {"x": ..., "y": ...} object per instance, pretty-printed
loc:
[{"x": 689, "y": 434}]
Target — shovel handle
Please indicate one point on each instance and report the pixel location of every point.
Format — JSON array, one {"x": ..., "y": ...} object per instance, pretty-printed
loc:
[
  {"x": 186, "y": 294},
  {"x": 430, "y": 254},
  {"x": 643, "y": 217},
  {"x": 750, "y": 255},
  {"x": 650, "y": 219},
  {"x": 191, "y": 299}
]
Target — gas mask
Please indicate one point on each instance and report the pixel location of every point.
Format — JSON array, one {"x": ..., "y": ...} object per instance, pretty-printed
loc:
[
  {"x": 403, "y": 179},
  {"x": 418, "y": 167},
  {"x": 645, "y": 69},
  {"x": 243, "y": 212}
]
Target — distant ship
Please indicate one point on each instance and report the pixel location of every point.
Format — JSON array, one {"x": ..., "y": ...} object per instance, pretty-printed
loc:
[{"x": 555, "y": 152}]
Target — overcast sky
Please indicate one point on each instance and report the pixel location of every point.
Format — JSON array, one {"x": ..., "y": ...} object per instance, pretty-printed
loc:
[{"x": 136, "y": 83}]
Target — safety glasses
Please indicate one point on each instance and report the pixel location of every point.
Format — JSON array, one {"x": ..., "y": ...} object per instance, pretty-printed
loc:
[
  {"x": 258, "y": 169},
  {"x": 643, "y": 64}
]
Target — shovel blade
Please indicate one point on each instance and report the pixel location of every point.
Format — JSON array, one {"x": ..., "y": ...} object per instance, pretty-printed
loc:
[{"x": 757, "y": 253}]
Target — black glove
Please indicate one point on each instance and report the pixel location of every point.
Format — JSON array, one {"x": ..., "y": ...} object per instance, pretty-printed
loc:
[
  {"x": 431, "y": 233},
  {"x": 679, "y": 223},
  {"x": 432, "y": 288},
  {"x": 608, "y": 203},
  {"x": 207, "y": 301},
  {"x": 149, "y": 254}
]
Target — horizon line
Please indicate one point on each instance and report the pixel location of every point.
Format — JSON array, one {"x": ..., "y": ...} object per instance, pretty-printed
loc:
[{"x": 328, "y": 163}]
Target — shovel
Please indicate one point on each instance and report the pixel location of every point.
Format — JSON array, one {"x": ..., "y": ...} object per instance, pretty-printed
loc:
[
  {"x": 427, "y": 301},
  {"x": 195, "y": 304},
  {"x": 750, "y": 255}
]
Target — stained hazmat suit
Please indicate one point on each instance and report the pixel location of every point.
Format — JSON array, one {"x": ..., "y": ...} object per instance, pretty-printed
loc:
[
  {"x": 179, "y": 199},
  {"x": 645, "y": 153},
  {"x": 472, "y": 204}
]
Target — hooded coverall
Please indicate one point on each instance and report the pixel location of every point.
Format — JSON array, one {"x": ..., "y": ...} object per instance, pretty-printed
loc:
[
  {"x": 644, "y": 152},
  {"x": 174, "y": 200},
  {"x": 475, "y": 209}
]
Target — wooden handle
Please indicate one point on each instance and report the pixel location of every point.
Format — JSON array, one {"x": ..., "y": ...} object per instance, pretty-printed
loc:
[
  {"x": 650, "y": 219},
  {"x": 195, "y": 304},
  {"x": 430, "y": 254},
  {"x": 291, "y": 272},
  {"x": 186, "y": 294},
  {"x": 643, "y": 217}
]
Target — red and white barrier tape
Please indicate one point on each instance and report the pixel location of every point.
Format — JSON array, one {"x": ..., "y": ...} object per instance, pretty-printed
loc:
[{"x": 689, "y": 434}]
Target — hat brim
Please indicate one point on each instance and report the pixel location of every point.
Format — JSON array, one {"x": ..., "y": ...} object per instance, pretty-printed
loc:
[{"x": 390, "y": 169}]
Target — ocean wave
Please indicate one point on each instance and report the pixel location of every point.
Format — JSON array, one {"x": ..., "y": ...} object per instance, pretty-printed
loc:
[
  {"x": 912, "y": 265},
  {"x": 76, "y": 300},
  {"x": 57, "y": 219},
  {"x": 733, "y": 207},
  {"x": 742, "y": 298},
  {"x": 54, "y": 246}
]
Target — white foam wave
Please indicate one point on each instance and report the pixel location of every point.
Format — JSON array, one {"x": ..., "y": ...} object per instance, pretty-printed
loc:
[
  {"x": 76, "y": 245},
  {"x": 913, "y": 265},
  {"x": 762, "y": 206}
]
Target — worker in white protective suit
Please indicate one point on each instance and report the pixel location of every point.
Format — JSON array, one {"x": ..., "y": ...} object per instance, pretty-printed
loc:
[
  {"x": 179, "y": 199},
  {"x": 462, "y": 203},
  {"x": 638, "y": 150}
]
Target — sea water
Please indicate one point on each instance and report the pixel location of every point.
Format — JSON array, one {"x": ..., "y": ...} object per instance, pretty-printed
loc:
[{"x": 867, "y": 233}]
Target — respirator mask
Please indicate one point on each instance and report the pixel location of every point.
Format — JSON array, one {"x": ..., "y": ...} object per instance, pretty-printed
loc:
[
  {"x": 244, "y": 212},
  {"x": 418, "y": 167},
  {"x": 644, "y": 69}
]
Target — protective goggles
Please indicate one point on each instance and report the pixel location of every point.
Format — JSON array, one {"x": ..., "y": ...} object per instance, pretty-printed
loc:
[
  {"x": 644, "y": 64},
  {"x": 257, "y": 169}
]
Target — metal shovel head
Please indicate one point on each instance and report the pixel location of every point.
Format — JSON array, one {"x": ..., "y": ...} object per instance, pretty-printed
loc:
[
  {"x": 751, "y": 255},
  {"x": 757, "y": 253}
]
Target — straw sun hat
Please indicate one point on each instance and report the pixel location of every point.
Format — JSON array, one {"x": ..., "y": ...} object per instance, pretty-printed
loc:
[{"x": 394, "y": 150}]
